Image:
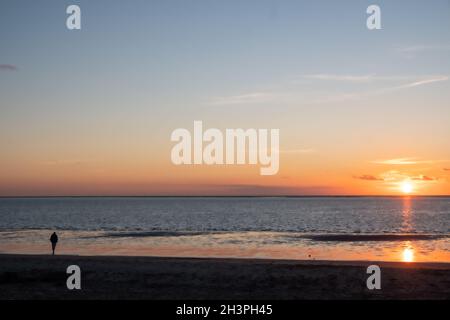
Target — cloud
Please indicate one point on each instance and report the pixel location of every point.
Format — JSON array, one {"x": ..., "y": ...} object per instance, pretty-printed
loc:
[
  {"x": 369, "y": 177},
  {"x": 391, "y": 83},
  {"x": 394, "y": 176},
  {"x": 424, "y": 178},
  {"x": 398, "y": 161},
  {"x": 422, "y": 82},
  {"x": 248, "y": 98},
  {"x": 338, "y": 77},
  {"x": 412, "y": 50},
  {"x": 408, "y": 83},
  {"x": 299, "y": 190},
  {"x": 264, "y": 190},
  {"x": 446, "y": 169},
  {"x": 8, "y": 67},
  {"x": 406, "y": 161},
  {"x": 363, "y": 78}
]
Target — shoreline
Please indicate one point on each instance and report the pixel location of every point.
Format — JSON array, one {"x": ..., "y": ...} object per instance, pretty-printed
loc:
[
  {"x": 438, "y": 265},
  {"x": 240, "y": 245},
  {"x": 129, "y": 277}
]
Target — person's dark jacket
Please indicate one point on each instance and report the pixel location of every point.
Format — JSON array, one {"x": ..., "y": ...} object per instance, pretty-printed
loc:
[{"x": 54, "y": 238}]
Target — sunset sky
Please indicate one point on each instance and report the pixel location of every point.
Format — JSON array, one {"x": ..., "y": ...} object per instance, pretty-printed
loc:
[{"x": 90, "y": 112}]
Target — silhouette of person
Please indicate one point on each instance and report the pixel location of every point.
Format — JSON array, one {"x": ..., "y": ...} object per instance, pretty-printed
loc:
[{"x": 54, "y": 240}]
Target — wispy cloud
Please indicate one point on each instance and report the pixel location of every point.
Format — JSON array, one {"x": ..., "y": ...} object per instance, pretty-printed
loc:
[
  {"x": 340, "y": 77},
  {"x": 388, "y": 81},
  {"x": 8, "y": 67},
  {"x": 411, "y": 51},
  {"x": 411, "y": 81},
  {"x": 393, "y": 176},
  {"x": 247, "y": 98},
  {"x": 401, "y": 161},
  {"x": 368, "y": 177},
  {"x": 362, "y": 78},
  {"x": 262, "y": 190},
  {"x": 406, "y": 161},
  {"x": 424, "y": 178},
  {"x": 423, "y": 82},
  {"x": 396, "y": 176},
  {"x": 381, "y": 85}
]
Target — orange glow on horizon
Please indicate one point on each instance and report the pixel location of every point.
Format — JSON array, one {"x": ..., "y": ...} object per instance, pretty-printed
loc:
[{"x": 148, "y": 174}]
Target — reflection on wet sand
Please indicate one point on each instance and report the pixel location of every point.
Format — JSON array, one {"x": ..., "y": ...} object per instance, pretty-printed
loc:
[
  {"x": 408, "y": 251},
  {"x": 276, "y": 245},
  {"x": 408, "y": 255}
]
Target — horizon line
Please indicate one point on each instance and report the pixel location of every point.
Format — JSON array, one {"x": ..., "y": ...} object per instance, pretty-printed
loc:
[{"x": 230, "y": 196}]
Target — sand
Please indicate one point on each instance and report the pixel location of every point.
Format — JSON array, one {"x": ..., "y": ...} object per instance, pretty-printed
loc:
[{"x": 44, "y": 277}]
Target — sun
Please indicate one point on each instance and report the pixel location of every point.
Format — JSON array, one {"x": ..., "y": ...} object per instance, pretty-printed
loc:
[{"x": 406, "y": 187}]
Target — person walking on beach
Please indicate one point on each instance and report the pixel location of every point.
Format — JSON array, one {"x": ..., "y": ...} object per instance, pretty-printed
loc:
[{"x": 53, "y": 240}]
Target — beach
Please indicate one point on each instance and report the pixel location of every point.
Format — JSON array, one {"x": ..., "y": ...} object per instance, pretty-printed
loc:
[
  {"x": 125, "y": 277},
  {"x": 225, "y": 248}
]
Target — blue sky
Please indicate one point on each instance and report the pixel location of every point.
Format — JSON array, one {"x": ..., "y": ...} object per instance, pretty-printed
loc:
[
  {"x": 139, "y": 69},
  {"x": 215, "y": 48}
]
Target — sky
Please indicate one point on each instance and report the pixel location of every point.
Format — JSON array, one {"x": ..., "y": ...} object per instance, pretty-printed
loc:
[{"x": 91, "y": 111}]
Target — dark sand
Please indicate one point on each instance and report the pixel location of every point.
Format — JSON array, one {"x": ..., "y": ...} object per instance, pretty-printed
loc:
[{"x": 44, "y": 277}]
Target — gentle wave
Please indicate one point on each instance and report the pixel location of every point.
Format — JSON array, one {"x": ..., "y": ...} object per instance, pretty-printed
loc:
[
  {"x": 324, "y": 215},
  {"x": 370, "y": 237}
]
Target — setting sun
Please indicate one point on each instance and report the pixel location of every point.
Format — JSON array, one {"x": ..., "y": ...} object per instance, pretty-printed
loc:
[{"x": 406, "y": 187}]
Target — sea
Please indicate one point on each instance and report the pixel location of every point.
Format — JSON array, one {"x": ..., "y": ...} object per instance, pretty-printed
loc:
[{"x": 409, "y": 228}]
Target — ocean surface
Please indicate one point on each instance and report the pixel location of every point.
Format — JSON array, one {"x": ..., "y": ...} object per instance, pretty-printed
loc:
[
  {"x": 344, "y": 228},
  {"x": 308, "y": 215}
]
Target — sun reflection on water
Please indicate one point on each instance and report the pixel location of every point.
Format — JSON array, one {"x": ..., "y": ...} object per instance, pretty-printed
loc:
[
  {"x": 406, "y": 215},
  {"x": 408, "y": 253}
]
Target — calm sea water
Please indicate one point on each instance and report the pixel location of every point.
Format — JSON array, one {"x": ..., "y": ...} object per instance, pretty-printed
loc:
[{"x": 307, "y": 215}]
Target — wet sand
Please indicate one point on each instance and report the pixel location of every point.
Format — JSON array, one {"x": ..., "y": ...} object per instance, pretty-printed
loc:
[{"x": 44, "y": 277}]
